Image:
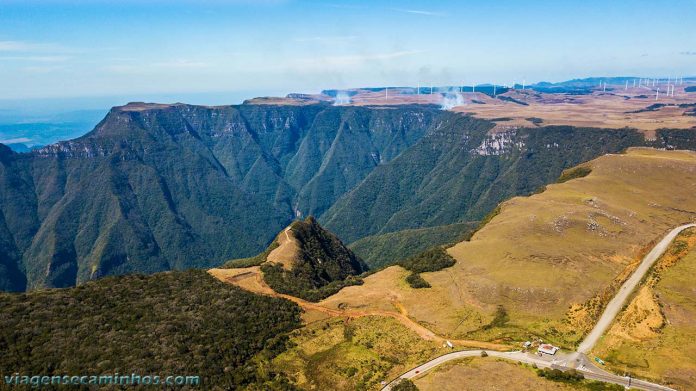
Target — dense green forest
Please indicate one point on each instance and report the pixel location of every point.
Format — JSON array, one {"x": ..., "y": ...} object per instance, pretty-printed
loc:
[
  {"x": 387, "y": 249},
  {"x": 160, "y": 187},
  {"x": 460, "y": 173},
  {"x": 171, "y": 323},
  {"x": 169, "y": 187}
]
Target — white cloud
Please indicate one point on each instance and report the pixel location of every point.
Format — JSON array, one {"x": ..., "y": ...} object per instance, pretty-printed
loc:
[
  {"x": 133, "y": 67},
  {"x": 23, "y": 46},
  {"x": 15, "y": 140},
  {"x": 35, "y": 58},
  {"x": 14, "y": 46},
  {"x": 180, "y": 64},
  {"x": 354, "y": 59},
  {"x": 418, "y": 12},
  {"x": 327, "y": 39}
]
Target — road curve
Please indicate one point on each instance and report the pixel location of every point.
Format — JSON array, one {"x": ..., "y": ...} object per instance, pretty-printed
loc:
[
  {"x": 616, "y": 303},
  {"x": 587, "y": 369},
  {"x": 589, "y": 373}
]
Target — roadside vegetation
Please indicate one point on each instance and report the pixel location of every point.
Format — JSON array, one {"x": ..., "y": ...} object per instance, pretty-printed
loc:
[{"x": 405, "y": 385}]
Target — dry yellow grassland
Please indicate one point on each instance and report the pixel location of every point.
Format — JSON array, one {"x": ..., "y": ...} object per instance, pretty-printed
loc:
[
  {"x": 654, "y": 337},
  {"x": 551, "y": 259}
]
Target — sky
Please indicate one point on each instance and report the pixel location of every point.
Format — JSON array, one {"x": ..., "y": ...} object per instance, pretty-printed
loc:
[{"x": 100, "y": 52}]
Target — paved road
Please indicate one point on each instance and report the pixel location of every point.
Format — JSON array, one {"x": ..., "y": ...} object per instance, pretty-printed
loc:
[
  {"x": 617, "y": 303},
  {"x": 575, "y": 360},
  {"x": 586, "y": 368}
]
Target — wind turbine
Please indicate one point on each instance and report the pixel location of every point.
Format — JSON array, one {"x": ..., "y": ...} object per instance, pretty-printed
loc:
[{"x": 657, "y": 93}]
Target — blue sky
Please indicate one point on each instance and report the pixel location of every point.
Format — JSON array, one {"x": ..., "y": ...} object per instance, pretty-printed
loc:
[{"x": 227, "y": 50}]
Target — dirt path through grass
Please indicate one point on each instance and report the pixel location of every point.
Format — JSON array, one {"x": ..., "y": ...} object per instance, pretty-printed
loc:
[{"x": 251, "y": 279}]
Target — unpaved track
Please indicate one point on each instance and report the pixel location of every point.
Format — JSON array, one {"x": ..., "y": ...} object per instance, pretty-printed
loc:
[
  {"x": 617, "y": 303},
  {"x": 241, "y": 277}
]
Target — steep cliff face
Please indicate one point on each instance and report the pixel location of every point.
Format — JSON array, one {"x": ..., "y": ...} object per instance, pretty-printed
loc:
[
  {"x": 159, "y": 187},
  {"x": 460, "y": 172}
]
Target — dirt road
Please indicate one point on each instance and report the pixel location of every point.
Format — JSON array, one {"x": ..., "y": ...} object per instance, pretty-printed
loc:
[
  {"x": 617, "y": 303},
  {"x": 251, "y": 279}
]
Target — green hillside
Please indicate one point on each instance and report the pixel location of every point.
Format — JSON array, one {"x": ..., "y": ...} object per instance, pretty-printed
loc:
[
  {"x": 322, "y": 265},
  {"x": 163, "y": 187},
  {"x": 460, "y": 173},
  {"x": 388, "y": 249},
  {"x": 160, "y": 187}
]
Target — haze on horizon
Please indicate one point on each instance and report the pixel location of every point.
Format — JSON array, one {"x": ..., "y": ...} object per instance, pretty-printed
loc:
[{"x": 217, "y": 50}]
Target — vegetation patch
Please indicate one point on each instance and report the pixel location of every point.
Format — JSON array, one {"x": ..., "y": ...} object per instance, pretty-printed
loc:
[
  {"x": 405, "y": 385},
  {"x": 251, "y": 261},
  {"x": 416, "y": 281},
  {"x": 512, "y": 100},
  {"x": 535, "y": 120},
  {"x": 574, "y": 173},
  {"x": 569, "y": 376},
  {"x": 184, "y": 323},
  {"x": 323, "y": 265},
  {"x": 387, "y": 249},
  {"x": 297, "y": 282},
  {"x": 353, "y": 354},
  {"x": 430, "y": 260}
]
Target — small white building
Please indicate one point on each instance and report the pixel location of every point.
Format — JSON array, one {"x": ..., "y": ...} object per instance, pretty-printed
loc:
[
  {"x": 548, "y": 349},
  {"x": 450, "y": 345},
  {"x": 527, "y": 344}
]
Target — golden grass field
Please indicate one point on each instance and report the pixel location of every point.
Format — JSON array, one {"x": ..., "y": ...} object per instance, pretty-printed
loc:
[
  {"x": 551, "y": 259},
  {"x": 654, "y": 337},
  {"x": 614, "y": 109},
  {"x": 606, "y": 110}
]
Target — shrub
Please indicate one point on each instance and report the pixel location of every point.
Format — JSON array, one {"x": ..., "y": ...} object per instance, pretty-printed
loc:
[
  {"x": 570, "y": 375},
  {"x": 574, "y": 173},
  {"x": 405, "y": 385},
  {"x": 416, "y": 281},
  {"x": 430, "y": 260}
]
